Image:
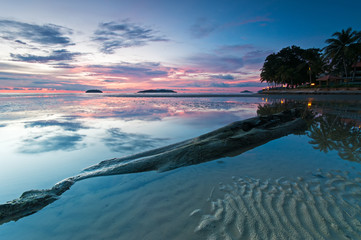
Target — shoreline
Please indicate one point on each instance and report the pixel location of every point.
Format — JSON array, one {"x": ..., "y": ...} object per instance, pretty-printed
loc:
[
  {"x": 315, "y": 91},
  {"x": 267, "y": 93},
  {"x": 262, "y": 94}
]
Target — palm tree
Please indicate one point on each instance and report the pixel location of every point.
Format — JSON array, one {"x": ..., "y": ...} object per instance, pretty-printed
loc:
[{"x": 341, "y": 48}]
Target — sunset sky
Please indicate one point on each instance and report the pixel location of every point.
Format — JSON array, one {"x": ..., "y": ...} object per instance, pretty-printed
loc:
[{"x": 131, "y": 45}]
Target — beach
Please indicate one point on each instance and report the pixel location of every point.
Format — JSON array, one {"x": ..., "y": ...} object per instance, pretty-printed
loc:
[
  {"x": 193, "y": 202},
  {"x": 316, "y": 91}
]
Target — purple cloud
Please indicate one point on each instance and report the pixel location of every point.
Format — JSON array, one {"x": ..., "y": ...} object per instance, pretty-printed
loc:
[
  {"x": 223, "y": 77},
  {"x": 113, "y": 35},
  {"x": 139, "y": 70},
  {"x": 230, "y": 59},
  {"x": 215, "y": 63},
  {"x": 56, "y": 55},
  {"x": 258, "y": 19},
  {"x": 240, "y": 48},
  {"x": 232, "y": 85},
  {"x": 202, "y": 28},
  {"x": 48, "y": 34}
]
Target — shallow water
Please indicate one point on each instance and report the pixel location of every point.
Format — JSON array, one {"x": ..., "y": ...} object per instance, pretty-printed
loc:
[{"x": 46, "y": 138}]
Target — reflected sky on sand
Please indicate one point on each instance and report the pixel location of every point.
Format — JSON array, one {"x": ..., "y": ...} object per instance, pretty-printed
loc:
[{"x": 46, "y": 138}]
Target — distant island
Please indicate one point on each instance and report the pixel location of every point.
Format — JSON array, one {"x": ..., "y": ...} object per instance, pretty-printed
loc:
[
  {"x": 246, "y": 91},
  {"x": 93, "y": 91},
  {"x": 157, "y": 91}
]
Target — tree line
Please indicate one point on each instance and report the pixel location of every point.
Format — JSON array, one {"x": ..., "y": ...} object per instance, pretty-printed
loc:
[{"x": 293, "y": 66}]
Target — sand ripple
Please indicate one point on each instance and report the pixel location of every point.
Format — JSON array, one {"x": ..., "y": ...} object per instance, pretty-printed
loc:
[{"x": 326, "y": 207}]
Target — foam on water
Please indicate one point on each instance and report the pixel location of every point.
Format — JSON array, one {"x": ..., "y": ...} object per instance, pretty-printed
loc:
[{"x": 325, "y": 207}]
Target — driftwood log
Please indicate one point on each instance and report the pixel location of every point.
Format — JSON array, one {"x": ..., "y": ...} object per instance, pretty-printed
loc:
[{"x": 227, "y": 141}]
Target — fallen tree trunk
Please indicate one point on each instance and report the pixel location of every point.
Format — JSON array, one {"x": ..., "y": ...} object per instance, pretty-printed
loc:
[{"x": 227, "y": 141}]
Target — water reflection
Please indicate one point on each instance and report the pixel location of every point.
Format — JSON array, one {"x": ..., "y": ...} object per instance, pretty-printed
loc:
[
  {"x": 155, "y": 109},
  {"x": 278, "y": 106},
  {"x": 335, "y": 126},
  {"x": 52, "y": 135},
  {"x": 120, "y": 141},
  {"x": 45, "y": 143},
  {"x": 329, "y": 132},
  {"x": 67, "y": 126},
  {"x": 46, "y": 123},
  {"x": 16, "y": 107},
  {"x": 100, "y": 126}
]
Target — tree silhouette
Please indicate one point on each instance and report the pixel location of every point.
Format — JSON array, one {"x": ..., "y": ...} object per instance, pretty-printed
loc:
[
  {"x": 291, "y": 66},
  {"x": 343, "y": 50}
]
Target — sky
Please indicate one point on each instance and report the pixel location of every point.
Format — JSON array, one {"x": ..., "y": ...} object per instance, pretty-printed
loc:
[{"x": 130, "y": 45}]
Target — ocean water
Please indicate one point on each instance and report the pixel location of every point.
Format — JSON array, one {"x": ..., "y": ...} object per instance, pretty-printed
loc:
[{"x": 302, "y": 186}]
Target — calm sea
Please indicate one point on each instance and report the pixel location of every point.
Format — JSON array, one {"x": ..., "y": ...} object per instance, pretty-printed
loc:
[{"x": 302, "y": 186}]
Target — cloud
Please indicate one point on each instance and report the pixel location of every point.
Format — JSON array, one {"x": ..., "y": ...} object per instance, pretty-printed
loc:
[
  {"x": 256, "y": 57},
  {"x": 48, "y": 34},
  {"x": 240, "y": 84},
  {"x": 7, "y": 79},
  {"x": 220, "y": 85},
  {"x": 64, "y": 65},
  {"x": 115, "y": 35},
  {"x": 119, "y": 141},
  {"x": 230, "y": 59},
  {"x": 56, "y": 55},
  {"x": 202, "y": 28},
  {"x": 238, "y": 48},
  {"x": 138, "y": 70},
  {"x": 25, "y": 82},
  {"x": 110, "y": 80},
  {"x": 217, "y": 63},
  {"x": 262, "y": 20},
  {"x": 21, "y": 42},
  {"x": 222, "y": 76}
]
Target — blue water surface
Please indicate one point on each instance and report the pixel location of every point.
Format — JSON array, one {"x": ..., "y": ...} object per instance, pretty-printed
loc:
[{"x": 45, "y": 138}]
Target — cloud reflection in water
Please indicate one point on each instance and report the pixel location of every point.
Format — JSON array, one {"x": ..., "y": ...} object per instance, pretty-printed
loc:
[
  {"x": 40, "y": 143},
  {"x": 52, "y": 135},
  {"x": 68, "y": 126},
  {"x": 120, "y": 141}
]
